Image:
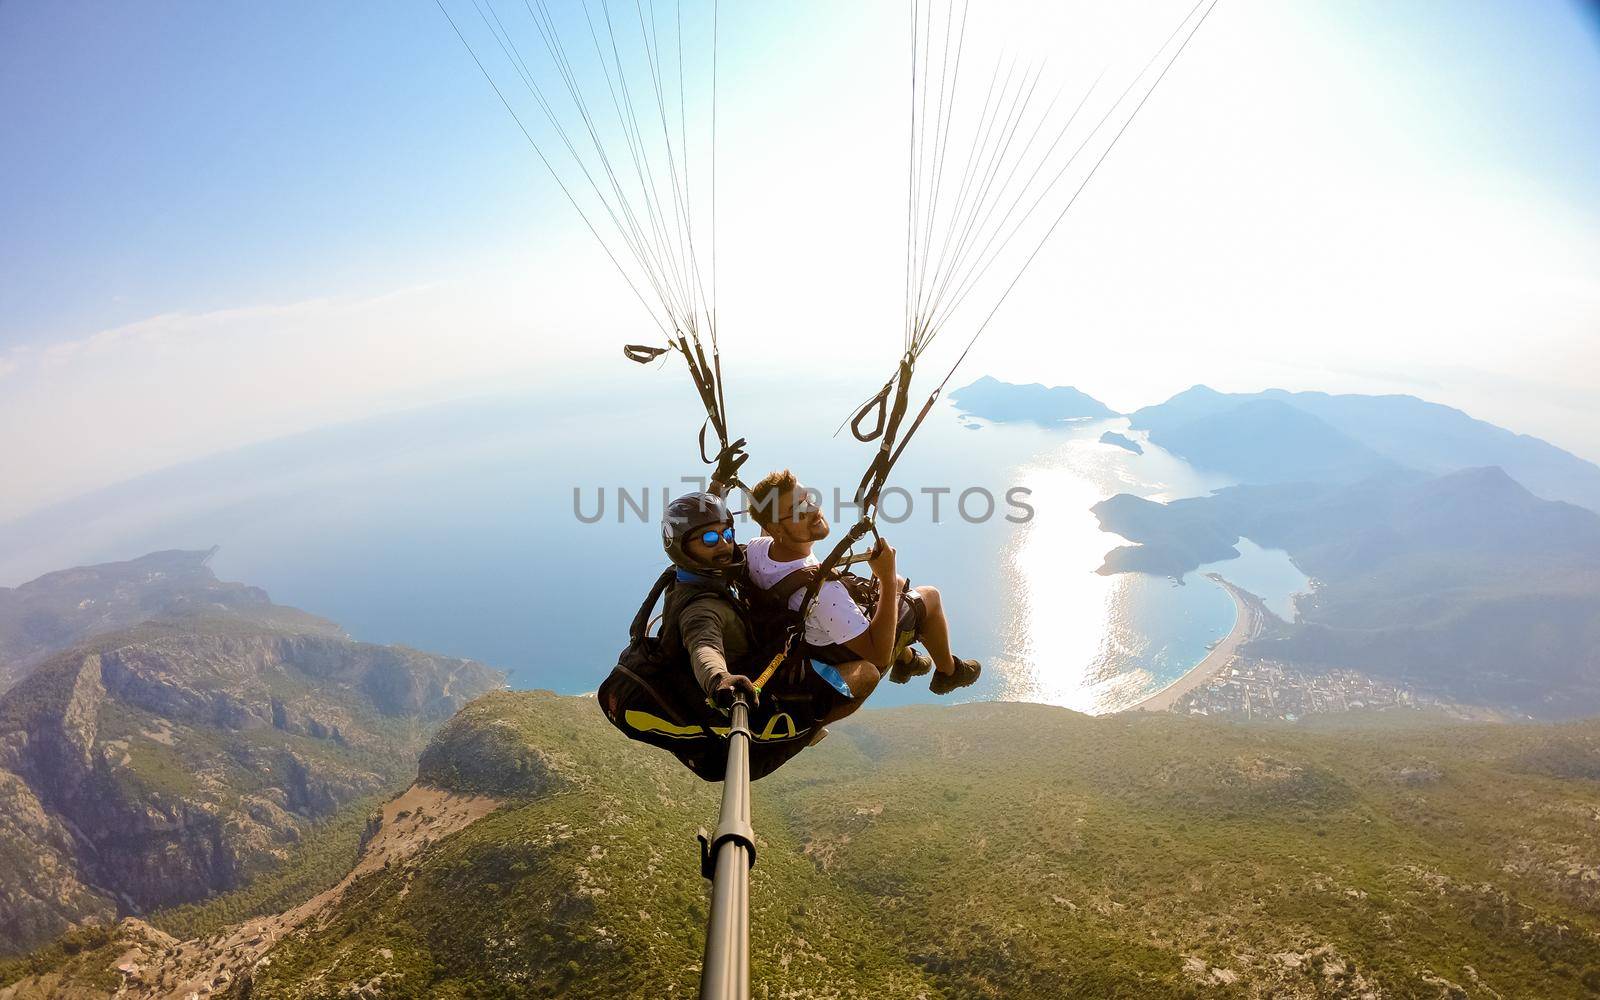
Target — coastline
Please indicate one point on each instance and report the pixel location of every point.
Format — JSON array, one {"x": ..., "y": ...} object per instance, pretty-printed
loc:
[{"x": 1249, "y": 620}]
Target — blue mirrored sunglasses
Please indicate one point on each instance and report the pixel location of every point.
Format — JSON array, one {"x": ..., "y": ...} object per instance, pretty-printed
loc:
[{"x": 711, "y": 537}]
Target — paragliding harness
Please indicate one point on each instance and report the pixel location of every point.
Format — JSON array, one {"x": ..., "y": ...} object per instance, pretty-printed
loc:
[
  {"x": 652, "y": 695},
  {"x": 771, "y": 608}
]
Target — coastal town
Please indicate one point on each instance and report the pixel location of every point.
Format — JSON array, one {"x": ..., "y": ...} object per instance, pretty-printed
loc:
[{"x": 1265, "y": 689}]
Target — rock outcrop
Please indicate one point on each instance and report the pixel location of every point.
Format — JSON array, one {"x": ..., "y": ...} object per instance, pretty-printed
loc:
[
  {"x": 149, "y": 964},
  {"x": 165, "y": 763}
]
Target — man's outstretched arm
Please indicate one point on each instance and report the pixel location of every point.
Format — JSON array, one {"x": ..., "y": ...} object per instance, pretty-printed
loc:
[
  {"x": 701, "y": 627},
  {"x": 877, "y": 642}
]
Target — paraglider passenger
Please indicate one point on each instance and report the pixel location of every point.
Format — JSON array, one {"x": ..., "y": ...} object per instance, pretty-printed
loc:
[{"x": 882, "y": 634}]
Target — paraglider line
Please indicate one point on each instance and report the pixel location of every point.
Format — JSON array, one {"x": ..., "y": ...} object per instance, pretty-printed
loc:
[
  {"x": 557, "y": 177},
  {"x": 1079, "y": 191}
]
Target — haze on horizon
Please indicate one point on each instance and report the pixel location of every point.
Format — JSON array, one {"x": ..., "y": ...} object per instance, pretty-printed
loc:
[{"x": 232, "y": 224}]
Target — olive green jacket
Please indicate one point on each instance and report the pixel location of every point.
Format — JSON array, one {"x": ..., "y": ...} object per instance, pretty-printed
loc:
[{"x": 711, "y": 631}]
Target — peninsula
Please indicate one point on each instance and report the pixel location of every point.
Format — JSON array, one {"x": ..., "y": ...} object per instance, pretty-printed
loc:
[{"x": 1122, "y": 441}]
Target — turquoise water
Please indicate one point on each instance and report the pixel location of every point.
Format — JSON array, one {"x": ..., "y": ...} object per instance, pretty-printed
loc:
[
  {"x": 452, "y": 529},
  {"x": 1267, "y": 573}
]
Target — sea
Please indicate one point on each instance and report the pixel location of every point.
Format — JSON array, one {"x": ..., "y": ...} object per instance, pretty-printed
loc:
[{"x": 520, "y": 530}]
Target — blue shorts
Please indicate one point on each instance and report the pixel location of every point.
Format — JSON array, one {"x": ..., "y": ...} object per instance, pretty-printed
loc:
[{"x": 830, "y": 673}]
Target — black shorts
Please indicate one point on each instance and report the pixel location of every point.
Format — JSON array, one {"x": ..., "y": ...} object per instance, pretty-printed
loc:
[
  {"x": 913, "y": 615},
  {"x": 913, "y": 610},
  {"x": 803, "y": 687}
]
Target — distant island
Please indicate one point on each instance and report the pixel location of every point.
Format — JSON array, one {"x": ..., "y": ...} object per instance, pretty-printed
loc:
[
  {"x": 1122, "y": 441},
  {"x": 1006, "y": 402}
]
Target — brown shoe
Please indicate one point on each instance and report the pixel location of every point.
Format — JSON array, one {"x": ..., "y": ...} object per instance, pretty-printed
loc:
[
  {"x": 914, "y": 664},
  {"x": 965, "y": 673}
]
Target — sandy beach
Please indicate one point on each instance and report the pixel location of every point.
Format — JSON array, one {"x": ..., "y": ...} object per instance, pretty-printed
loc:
[{"x": 1248, "y": 623}]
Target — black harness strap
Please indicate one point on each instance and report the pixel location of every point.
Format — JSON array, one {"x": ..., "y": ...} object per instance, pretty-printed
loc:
[
  {"x": 707, "y": 376},
  {"x": 706, "y": 373},
  {"x": 722, "y": 399},
  {"x": 888, "y": 431},
  {"x": 641, "y": 353},
  {"x": 793, "y": 582},
  {"x": 641, "y": 621},
  {"x": 700, "y": 369},
  {"x": 708, "y": 388},
  {"x": 878, "y": 404},
  {"x": 666, "y": 706},
  {"x": 921, "y": 415},
  {"x": 705, "y": 456},
  {"x": 823, "y": 571}
]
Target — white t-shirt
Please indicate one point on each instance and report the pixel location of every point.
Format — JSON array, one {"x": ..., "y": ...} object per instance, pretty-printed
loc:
[{"x": 834, "y": 616}]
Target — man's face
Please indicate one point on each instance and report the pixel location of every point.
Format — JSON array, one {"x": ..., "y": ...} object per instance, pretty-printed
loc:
[
  {"x": 798, "y": 518},
  {"x": 719, "y": 552}
]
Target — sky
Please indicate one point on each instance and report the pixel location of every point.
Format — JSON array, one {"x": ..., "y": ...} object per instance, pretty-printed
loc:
[{"x": 224, "y": 223}]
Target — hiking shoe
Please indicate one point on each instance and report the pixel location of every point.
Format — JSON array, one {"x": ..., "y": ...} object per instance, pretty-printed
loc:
[
  {"x": 965, "y": 673},
  {"x": 915, "y": 664}
]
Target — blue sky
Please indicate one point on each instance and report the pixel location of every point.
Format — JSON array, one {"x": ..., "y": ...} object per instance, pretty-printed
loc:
[
  {"x": 200, "y": 155},
  {"x": 1510, "y": 83},
  {"x": 289, "y": 184}
]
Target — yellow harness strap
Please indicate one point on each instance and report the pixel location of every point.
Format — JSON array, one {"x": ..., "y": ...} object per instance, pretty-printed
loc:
[{"x": 772, "y": 668}]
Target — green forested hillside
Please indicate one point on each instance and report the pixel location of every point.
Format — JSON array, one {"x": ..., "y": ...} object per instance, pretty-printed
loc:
[{"x": 999, "y": 850}]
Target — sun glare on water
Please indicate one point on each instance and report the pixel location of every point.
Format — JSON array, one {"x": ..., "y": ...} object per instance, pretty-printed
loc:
[{"x": 1068, "y": 621}]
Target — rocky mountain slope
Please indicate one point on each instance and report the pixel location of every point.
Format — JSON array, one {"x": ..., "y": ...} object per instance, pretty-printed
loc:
[
  {"x": 59, "y": 609},
  {"x": 983, "y": 850},
  {"x": 162, "y": 763},
  {"x": 140, "y": 960}
]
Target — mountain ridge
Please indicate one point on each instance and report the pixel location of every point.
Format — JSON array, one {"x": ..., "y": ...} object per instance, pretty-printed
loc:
[{"x": 1407, "y": 430}]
